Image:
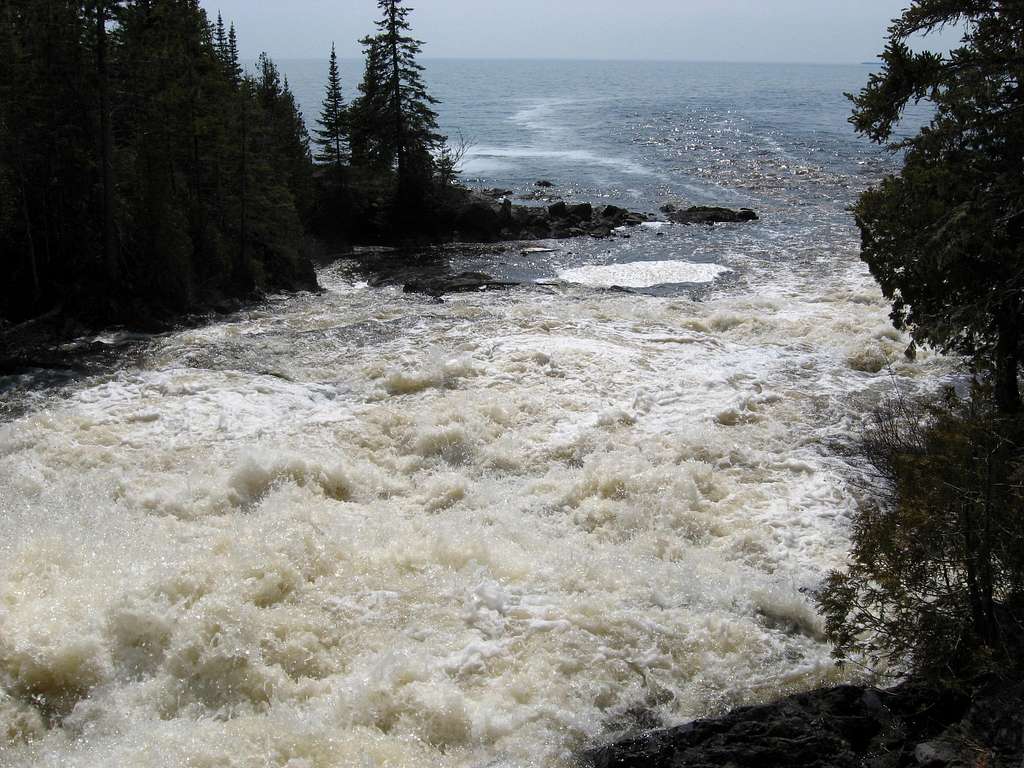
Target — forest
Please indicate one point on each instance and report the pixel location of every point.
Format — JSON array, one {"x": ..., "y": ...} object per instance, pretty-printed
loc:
[{"x": 145, "y": 173}]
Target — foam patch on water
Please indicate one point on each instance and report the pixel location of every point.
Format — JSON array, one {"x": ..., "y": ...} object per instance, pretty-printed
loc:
[
  {"x": 361, "y": 530},
  {"x": 643, "y": 274}
]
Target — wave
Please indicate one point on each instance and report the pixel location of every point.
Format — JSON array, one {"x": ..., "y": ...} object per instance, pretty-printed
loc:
[{"x": 569, "y": 156}]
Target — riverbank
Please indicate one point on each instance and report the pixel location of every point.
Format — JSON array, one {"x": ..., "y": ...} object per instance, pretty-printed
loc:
[
  {"x": 845, "y": 727},
  {"x": 465, "y": 216}
]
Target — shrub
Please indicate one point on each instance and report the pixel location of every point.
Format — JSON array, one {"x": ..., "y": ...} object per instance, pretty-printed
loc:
[{"x": 936, "y": 574}]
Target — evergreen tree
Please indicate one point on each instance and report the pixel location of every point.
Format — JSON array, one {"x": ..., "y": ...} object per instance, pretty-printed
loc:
[
  {"x": 945, "y": 236},
  {"x": 365, "y": 113},
  {"x": 220, "y": 40},
  {"x": 102, "y": 11},
  {"x": 332, "y": 135},
  {"x": 233, "y": 59},
  {"x": 404, "y": 123},
  {"x": 51, "y": 240},
  {"x": 197, "y": 190}
]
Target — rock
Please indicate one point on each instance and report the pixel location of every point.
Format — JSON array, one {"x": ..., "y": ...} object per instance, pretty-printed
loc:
[
  {"x": 704, "y": 214},
  {"x": 558, "y": 211},
  {"x": 996, "y": 720},
  {"x": 545, "y": 184},
  {"x": 581, "y": 211},
  {"x": 479, "y": 218},
  {"x": 668, "y": 208},
  {"x": 614, "y": 214},
  {"x": 479, "y": 221},
  {"x": 496, "y": 192},
  {"x": 842, "y": 727},
  {"x": 505, "y": 212},
  {"x": 462, "y": 282},
  {"x": 934, "y": 754}
]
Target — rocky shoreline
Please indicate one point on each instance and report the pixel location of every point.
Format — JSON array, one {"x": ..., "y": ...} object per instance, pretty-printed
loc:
[
  {"x": 477, "y": 216},
  {"x": 491, "y": 216},
  {"x": 913, "y": 724}
]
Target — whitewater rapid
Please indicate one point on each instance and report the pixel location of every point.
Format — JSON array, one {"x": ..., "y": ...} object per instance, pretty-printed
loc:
[{"x": 366, "y": 529}]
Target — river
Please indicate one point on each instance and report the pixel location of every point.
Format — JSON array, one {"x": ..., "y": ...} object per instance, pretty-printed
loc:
[{"x": 363, "y": 528}]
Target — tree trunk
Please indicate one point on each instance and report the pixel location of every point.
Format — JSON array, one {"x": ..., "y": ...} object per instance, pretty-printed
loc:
[
  {"x": 396, "y": 91},
  {"x": 1007, "y": 362}
]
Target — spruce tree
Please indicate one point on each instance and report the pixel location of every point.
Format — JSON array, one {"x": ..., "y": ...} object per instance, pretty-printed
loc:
[
  {"x": 136, "y": 167},
  {"x": 220, "y": 41},
  {"x": 332, "y": 135},
  {"x": 405, "y": 123},
  {"x": 234, "y": 64},
  {"x": 364, "y": 115}
]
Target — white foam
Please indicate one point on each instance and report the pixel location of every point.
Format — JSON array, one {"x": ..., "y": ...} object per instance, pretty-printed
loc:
[
  {"x": 643, "y": 274},
  {"x": 476, "y": 541}
]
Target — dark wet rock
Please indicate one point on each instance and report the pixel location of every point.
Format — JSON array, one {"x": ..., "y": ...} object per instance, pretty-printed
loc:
[
  {"x": 482, "y": 219},
  {"x": 496, "y": 192},
  {"x": 705, "y": 214},
  {"x": 581, "y": 212},
  {"x": 843, "y": 727},
  {"x": 830, "y": 728},
  {"x": 478, "y": 220},
  {"x": 558, "y": 210},
  {"x": 544, "y": 183},
  {"x": 614, "y": 214},
  {"x": 462, "y": 282},
  {"x": 505, "y": 213}
]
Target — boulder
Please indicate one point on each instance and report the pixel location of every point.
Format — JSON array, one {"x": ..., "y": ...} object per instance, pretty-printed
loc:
[
  {"x": 558, "y": 211},
  {"x": 707, "y": 214},
  {"x": 478, "y": 220},
  {"x": 614, "y": 214},
  {"x": 545, "y": 184},
  {"x": 581, "y": 211},
  {"x": 842, "y": 727},
  {"x": 462, "y": 282}
]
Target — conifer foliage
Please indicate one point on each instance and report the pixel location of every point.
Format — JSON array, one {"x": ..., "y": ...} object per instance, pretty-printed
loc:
[
  {"x": 394, "y": 103},
  {"x": 944, "y": 236},
  {"x": 139, "y": 167},
  {"x": 332, "y": 135}
]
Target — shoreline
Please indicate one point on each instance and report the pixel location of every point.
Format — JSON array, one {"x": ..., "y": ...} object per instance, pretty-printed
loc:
[{"x": 846, "y": 726}]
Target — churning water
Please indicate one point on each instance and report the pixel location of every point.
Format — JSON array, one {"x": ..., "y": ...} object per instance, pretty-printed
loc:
[{"x": 365, "y": 529}]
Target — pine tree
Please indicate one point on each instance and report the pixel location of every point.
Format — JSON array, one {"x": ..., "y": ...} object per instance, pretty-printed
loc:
[
  {"x": 220, "y": 40},
  {"x": 406, "y": 125},
  {"x": 332, "y": 136},
  {"x": 234, "y": 63},
  {"x": 365, "y": 113}
]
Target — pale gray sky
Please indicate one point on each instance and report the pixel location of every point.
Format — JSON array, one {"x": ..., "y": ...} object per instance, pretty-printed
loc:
[{"x": 695, "y": 30}]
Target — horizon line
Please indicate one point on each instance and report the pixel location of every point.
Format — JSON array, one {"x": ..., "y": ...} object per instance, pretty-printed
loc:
[{"x": 585, "y": 59}]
